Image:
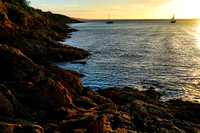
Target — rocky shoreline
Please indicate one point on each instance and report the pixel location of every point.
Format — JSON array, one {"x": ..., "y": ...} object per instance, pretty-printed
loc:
[{"x": 41, "y": 98}]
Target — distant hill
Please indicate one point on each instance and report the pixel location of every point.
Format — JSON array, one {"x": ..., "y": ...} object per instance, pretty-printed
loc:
[{"x": 24, "y": 5}]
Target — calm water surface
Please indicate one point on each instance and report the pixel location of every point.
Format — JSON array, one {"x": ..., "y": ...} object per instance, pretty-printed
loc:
[{"x": 141, "y": 53}]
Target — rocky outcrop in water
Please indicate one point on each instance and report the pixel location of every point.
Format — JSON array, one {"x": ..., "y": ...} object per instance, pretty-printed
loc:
[{"x": 38, "y": 99}]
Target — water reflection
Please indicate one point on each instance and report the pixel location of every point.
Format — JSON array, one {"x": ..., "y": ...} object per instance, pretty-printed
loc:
[
  {"x": 192, "y": 91},
  {"x": 198, "y": 36},
  {"x": 134, "y": 53}
]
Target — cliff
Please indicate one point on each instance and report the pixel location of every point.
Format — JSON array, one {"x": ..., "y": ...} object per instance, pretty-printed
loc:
[
  {"x": 38, "y": 97},
  {"x": 35, "y": 35}
]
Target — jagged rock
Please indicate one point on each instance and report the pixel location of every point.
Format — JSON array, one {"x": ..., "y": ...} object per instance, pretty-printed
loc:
[
  {"x": 67, "y": 78},
  {"x": 49, "y": 94},
  {"x": 98, "y": 99},
  {"x": 127, "y": 95},
  {"x": 6, "y": 107},
  {"x": 18, "y": 128},
  {"x": 138, "y": 106},
  {"x": 92, "y": 121},
  {"x": 15, "y": 65},
  {"x": 36, "y": 36},
  {"x": 80, "y": 131},
  {"x": 38, "y": 76},
  {"x": 51, "y": 128},
  {"x": 110, "y": 106},
  {"x": 149, "y": 117},
  {"x": 84, "y": 102},
  {"x": 17, "y": 16},
  {"x": 187, "y": 126},
  {"x": 33, "y": 95},
  {"x": 66, "y": 113},
  {"x": 10, "y": 106},
  {"x": 123, "y": 130},
  {"x": 184, "y": 110},
  {"x": 45, "y": 92}
]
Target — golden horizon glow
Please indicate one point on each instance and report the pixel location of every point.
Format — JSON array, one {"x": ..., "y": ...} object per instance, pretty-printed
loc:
[
  {"x": 188, "y": 9},
  {"x": 123, "y": 9}
]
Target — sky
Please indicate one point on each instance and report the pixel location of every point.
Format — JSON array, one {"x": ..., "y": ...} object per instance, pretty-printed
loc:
[{"x": 122, "y": 9}]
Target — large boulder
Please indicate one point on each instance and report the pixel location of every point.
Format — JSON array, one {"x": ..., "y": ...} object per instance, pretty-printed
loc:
[
  {"x": 95, "y": 97},
  {"x": 184, "y": 110},
  {"x": 84, "y": 102},
  {"x": 49, "y": 94},
  {"x": 128, "y": 95},
  {"x": 69, "y": 79},
  {"x": 10, "y": 106},
  {"x": 15, "y": 66},
  {"x": 92, "y": 121}
]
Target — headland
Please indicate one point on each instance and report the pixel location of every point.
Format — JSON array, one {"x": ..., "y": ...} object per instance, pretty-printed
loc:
[{"x": 38, "y": 97}]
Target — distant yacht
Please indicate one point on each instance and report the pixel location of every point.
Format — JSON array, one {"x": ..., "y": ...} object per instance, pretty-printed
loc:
[
  {"x": 173, "y": 19},
  {"x": 109, "y": 21}
]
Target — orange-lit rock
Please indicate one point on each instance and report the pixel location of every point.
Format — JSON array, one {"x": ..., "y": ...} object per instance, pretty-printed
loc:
[
  {"x": 36, "y": 36},
  {"x": 49, "y": 94},
  {"x": 35, "y": 98},
  {"x": 17, "y": 128},
  {"x": 93, "y": 122},
  {"x": 69, "y": 79}
]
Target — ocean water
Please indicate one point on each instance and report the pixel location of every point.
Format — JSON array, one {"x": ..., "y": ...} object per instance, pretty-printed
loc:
[{"x": 140, "y": 54}]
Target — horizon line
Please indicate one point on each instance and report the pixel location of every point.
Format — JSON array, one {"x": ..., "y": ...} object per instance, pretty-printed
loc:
[{"x": 137, "y": 19}]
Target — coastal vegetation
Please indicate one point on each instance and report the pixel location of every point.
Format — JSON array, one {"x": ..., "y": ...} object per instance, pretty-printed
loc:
[
  {"x": 22, "y": 4},
  {"x": 36, "y": 97},
  {"x": 25, "y": 6}
]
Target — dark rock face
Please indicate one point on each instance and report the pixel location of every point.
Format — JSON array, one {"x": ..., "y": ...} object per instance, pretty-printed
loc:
[
  {"x": 149, "y": 115},
  {"x": 36, "y": 36},
  {"x": 184, "y": 110},
  {"x": 38, "y": 99},
  {"x": 18, "y": 128},
  {"x": 127, "y": 95},
  {"x": 24, "y": 82},
  {"x": 84, "y": 102},
  {"x": 6, "y": 107},
  {"x": 92, "y": 122},
  {"x": 15, "y": 65}
]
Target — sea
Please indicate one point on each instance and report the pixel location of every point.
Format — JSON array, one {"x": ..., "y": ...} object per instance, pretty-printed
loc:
[{"x": 140, "y": 54}]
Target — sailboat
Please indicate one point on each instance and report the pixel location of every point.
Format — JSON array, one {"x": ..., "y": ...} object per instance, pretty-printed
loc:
[
  {"x": 109, "y": 21},
  {"x": 173, "y": 19}
]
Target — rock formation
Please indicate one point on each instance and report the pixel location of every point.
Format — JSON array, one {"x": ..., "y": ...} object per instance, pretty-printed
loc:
[{"x": 38, "y": 97}]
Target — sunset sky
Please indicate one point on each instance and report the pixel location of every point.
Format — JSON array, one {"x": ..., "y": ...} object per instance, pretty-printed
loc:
[{"x": 121, "y": 9}]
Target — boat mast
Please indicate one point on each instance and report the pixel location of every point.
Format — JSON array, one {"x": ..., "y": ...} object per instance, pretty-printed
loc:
[{"x": 173, "y": 17}]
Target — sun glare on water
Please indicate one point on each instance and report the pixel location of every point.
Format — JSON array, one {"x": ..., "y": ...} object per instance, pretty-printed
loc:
[
  {"x": 198, "y": 36},
  {"x": 188, "y": 9}
]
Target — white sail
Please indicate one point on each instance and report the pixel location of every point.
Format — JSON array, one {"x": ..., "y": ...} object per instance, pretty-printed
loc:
[{"x": 173, "y": 19}]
